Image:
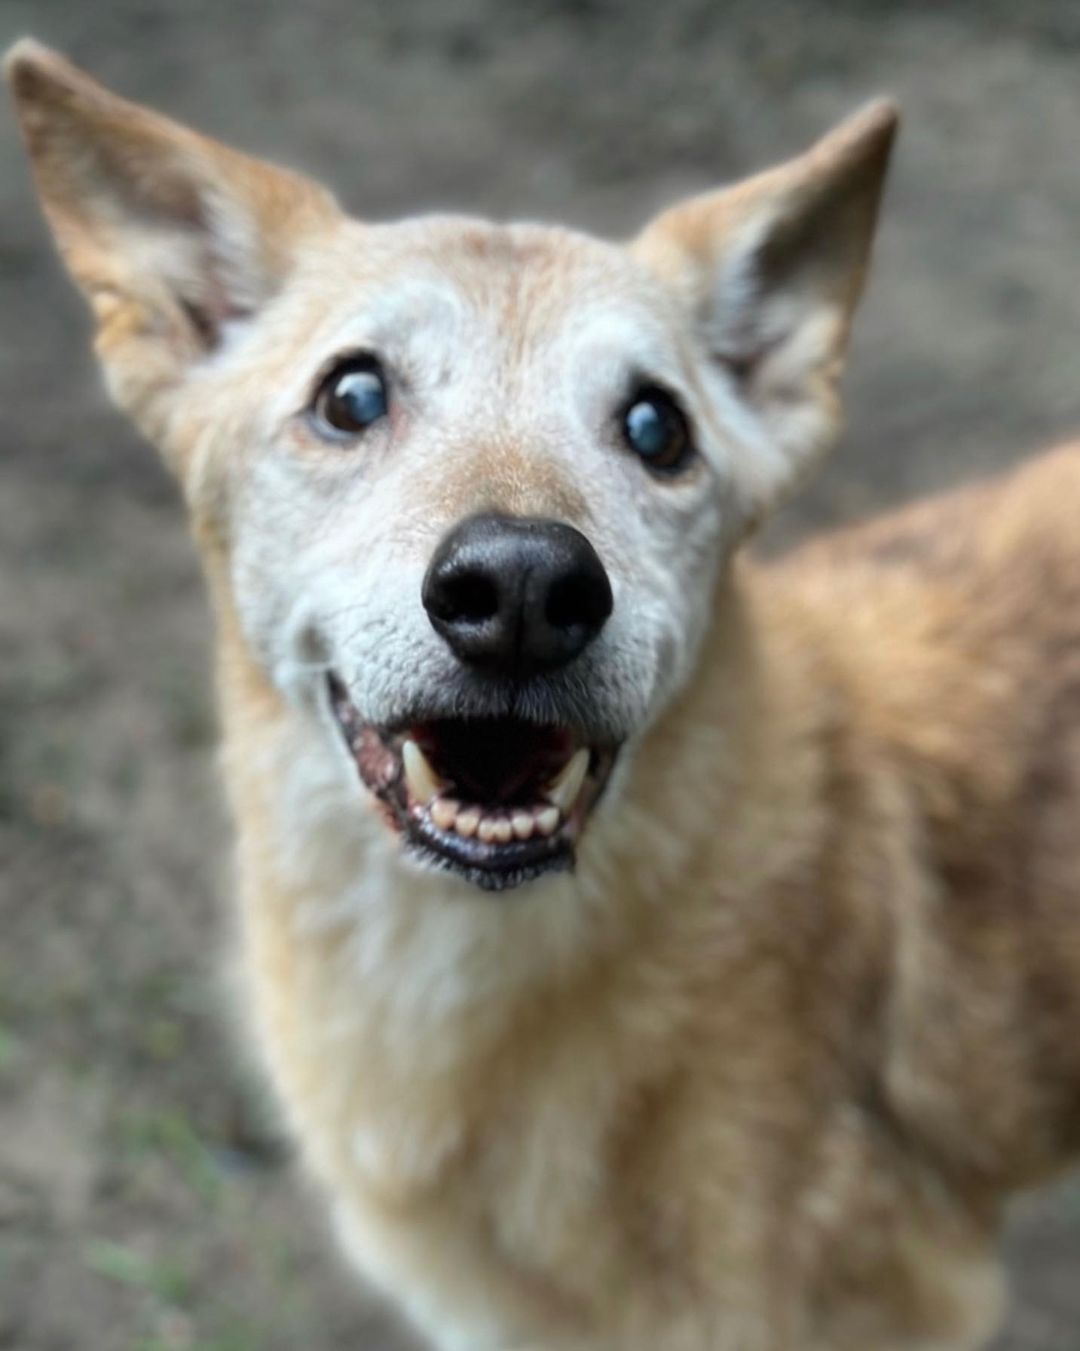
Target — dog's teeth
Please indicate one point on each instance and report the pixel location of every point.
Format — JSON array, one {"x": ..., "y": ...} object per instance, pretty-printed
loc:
[
  {"x": 423, "y": 782},
  {"x": 467, "y": 821},
  {"x": 444, "y": 812},
  {"x": 547, "y": 820},
  {"x": 486, "y": 829},
  {"x": 563, "y": 790},
  {"x": 504, "y": 831},
  {"x": 522, "y": 825}
]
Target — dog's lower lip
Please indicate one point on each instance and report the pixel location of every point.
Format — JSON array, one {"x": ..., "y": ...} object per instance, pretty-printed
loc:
[{"x": 498, "y": 801}]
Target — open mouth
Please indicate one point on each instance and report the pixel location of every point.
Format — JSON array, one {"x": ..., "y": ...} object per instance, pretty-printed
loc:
[{"x": 499, "y": 800}]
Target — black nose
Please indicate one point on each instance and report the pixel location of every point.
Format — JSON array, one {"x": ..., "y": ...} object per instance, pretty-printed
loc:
[{"x": 516, "y": 595}]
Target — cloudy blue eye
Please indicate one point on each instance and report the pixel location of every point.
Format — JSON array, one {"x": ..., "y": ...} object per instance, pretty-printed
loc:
[
  {"x": 654, "y": 427},
  {"x": 353, "y": 395}
]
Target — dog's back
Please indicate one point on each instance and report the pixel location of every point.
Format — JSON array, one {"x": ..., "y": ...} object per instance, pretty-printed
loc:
[{"x": 954, "y": 629}]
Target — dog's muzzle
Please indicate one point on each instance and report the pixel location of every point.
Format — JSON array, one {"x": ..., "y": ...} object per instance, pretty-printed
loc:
[{"x": 498, "y": 797}]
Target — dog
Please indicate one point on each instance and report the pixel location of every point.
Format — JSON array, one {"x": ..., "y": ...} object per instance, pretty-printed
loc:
[{"x": 652, "y": 950}]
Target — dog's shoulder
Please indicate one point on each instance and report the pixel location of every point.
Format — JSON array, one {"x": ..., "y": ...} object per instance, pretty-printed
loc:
[
  {"x": 953, "y": 625},
  {"x": 1000, "y": 556},
  {"x": 1030, "y": 509}
]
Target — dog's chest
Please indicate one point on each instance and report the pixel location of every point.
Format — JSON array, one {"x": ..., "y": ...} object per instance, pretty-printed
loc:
[{"x": 487, "y": 1216}]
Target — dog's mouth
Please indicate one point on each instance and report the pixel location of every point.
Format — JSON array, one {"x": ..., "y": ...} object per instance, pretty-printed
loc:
[{"x": 499, "y": 800}]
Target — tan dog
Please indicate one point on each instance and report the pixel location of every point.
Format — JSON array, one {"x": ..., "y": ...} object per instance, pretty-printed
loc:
[{"x": 652, "y": 951}]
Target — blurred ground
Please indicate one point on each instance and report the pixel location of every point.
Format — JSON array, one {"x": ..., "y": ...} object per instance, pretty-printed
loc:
[{"x": 145, "y": 1201}]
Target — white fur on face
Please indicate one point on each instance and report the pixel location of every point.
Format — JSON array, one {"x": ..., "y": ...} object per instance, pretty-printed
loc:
[{"x": 511, "y": 355}]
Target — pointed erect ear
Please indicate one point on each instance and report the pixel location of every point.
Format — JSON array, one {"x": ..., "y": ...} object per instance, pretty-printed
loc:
[
  {"x": 770, "y": 271},
  {"x": 172, "y": 237}
]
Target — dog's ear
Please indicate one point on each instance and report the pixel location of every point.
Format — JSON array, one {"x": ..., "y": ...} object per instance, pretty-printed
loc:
[
  {"x": 172, "y": 237},
  {"x": 770, "y": 270}
]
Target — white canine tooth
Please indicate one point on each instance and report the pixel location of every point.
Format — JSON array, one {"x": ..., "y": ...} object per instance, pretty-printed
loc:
[
  {"x": 563, "y": 790},
  {"x": 522, "y": 825},
  {"x": 504, "y": 831},
  {"x": 486, "y": 829},
  {"x": 444, "y": 812},
  {"x": 467, "y": 821},
  {"x": 423, "y": 782},
  {"x": 547, "y": 820}
]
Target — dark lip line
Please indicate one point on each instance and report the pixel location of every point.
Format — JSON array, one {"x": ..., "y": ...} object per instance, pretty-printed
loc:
[
  {"x": 492, "y": 866},
  {"x": 493, "y": 859},
  {"x": 495, "y": 879}
]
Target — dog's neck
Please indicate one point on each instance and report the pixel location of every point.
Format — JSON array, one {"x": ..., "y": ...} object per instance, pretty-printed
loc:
[{"x": 420, "y": 979}]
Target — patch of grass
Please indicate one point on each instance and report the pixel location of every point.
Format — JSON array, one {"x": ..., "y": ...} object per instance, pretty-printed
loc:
[
  {"x": 175, "y": 1308},
  {"x": 172, "y": 1134},
  {"x": 166, "y": 1279},
  {"x": 162, "y": 1038}
]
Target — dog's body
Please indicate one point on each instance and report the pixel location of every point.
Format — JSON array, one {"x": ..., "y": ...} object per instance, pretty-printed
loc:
[
  {"x": 775, "y": 1098},
  {"x": 757, "y": 1074}
]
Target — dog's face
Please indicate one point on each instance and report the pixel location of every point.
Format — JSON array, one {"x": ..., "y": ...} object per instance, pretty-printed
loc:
[
  {"x": 479, "y": 511},
  {"x": 465, "y": 487}
]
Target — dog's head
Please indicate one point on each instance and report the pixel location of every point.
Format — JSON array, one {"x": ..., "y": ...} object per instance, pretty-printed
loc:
[{"x": 467, "y": 487}]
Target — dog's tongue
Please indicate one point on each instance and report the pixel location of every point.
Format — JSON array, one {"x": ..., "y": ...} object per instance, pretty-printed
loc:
[{"x": 495, "y": 760}]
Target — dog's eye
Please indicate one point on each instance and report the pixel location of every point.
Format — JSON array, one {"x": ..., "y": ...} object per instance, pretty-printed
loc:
[
  {"x": 655, "y": 427},
  {"x": 352, "y": 396}
]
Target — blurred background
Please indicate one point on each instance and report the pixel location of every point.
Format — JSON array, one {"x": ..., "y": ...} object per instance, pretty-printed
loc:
[{"x": 146, "y": 1199}]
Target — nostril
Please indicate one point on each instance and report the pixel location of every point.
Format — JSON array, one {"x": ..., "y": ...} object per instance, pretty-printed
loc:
[
  {"x": 578, "y": 601},
  {"x": 467, "y": 597}
]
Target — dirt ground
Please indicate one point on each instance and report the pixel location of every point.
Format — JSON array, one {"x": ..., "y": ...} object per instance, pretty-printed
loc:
[{"x": 146, "y": 1199}]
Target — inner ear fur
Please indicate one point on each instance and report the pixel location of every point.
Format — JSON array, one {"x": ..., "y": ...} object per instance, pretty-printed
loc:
[
  {"x": 171, "y": 235},
  {"x": 770, "y": 271},
  {"x": 804, "y": 229}
]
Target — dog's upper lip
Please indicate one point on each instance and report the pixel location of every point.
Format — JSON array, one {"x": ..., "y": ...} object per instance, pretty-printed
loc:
[{"x": 495, "y": 798}]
